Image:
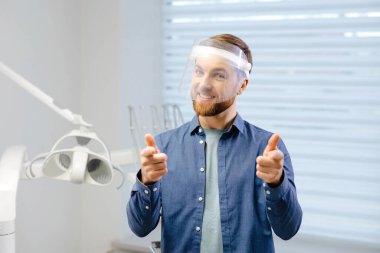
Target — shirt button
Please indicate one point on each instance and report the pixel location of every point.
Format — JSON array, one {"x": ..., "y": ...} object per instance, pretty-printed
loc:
[
  {"x": 200, "y": 199},
  {"x": 267, "y": 192},
  {"x": 200, "y": 130},
  {"x": 269, "y": 208},
  {"x": 146, "y": 191},
  {"x": 263, "y": 184},
  {"x": 146, "y": 207},
  {"x": 202, "y": 169},
  {"x": 201, "y": 142},
  {"x": 198, "y": 229},
  {"x": 155, "y": 189}
]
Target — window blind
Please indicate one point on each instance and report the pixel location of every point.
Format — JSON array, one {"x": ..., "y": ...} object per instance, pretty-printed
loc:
[{"x": 316, "y": 81}]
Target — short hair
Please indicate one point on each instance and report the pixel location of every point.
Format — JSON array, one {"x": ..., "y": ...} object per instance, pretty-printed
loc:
[{"x": 234, "y": 40}]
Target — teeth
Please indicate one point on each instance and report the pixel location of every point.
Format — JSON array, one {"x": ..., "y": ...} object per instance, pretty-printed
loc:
[{"x": 205, "y": 96}]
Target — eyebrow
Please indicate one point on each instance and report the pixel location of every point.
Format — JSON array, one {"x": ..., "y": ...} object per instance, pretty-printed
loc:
[{"x": 213, "y": 69}]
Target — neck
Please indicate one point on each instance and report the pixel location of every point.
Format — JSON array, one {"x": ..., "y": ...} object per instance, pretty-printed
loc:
[{"x": 221, "y": 121}]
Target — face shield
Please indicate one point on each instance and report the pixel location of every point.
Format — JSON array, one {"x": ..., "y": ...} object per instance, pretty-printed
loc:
[{"x": 215, "y": 72}]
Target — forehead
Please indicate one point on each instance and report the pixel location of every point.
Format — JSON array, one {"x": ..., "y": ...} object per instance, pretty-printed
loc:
[{"x": 214, "y": 63}]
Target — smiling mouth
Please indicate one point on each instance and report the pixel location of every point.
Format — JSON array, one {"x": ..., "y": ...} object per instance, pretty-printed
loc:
[{"x": 205, "y": 97}]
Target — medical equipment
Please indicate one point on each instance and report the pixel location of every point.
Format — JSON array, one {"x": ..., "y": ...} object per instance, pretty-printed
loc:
[
  {"x": 152, "y": 119},
  {"x": 77, "y": 161},
  {"x": 155, "y": 247}
]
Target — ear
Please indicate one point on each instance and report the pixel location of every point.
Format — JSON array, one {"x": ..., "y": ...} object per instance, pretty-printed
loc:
[{"x": 243, "y": 86}]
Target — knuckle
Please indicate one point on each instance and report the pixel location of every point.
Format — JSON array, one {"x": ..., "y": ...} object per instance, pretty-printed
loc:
[
  {"x": 144, "y": 152},
  {"x": 144, "y": 162}
]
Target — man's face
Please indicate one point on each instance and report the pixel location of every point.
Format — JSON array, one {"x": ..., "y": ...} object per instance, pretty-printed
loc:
[{"x": 215, "y": 84}]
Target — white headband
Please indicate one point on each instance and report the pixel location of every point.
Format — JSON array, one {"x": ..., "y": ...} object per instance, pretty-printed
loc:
[{"x": 240, "y": 62}]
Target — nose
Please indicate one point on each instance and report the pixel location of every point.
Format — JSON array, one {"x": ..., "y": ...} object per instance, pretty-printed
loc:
[{"x": 205, "y": 82}]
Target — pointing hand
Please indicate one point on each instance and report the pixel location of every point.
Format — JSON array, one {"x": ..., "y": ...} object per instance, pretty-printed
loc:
[
  {"x": 152, "y": 162},
  {"x": 269, "y": 166}
]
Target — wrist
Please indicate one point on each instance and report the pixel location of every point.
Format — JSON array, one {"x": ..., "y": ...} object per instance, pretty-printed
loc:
[
  {"x": 143, "y": 179},
  {"x": 277, "y": 183}
]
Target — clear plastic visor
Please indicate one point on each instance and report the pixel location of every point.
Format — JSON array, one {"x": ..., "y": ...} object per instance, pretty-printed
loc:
[{"x": 215, "y": 73}]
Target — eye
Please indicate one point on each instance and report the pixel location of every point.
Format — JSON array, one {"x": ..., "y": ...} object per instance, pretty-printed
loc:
[
  {"x": 198, "y": 71},
  {"x": 220, "y": 76}
]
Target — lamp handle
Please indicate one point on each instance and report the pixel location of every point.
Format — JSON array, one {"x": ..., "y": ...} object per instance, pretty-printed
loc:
[{"x": 43, "y": 97}]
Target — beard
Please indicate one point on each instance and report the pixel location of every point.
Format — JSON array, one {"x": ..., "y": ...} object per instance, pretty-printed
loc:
[{"x": 211, "y": 109}]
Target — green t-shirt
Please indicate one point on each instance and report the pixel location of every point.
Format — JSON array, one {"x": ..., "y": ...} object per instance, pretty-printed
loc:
[{"x": 211, "y": 241}]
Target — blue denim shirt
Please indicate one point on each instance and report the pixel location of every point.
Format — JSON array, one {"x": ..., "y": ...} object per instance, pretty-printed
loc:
[{"x": 249, "y": 208}]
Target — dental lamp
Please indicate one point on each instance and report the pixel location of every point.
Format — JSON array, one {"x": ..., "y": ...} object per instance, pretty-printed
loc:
[{"x": 73, "y": 158}]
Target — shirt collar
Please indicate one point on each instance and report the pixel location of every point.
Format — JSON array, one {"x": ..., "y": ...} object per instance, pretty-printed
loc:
[
  {"x": 194, "y": 125},
  {"x": 238, "y": 124}
]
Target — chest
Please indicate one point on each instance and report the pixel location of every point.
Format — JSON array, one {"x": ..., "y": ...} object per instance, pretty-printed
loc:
[{"x": 235, "y": 162}]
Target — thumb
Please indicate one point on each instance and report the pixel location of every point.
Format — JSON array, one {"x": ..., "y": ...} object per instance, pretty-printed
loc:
[
  {"x": 149, "y": 139},
  {"x": 272, "y": 143}
]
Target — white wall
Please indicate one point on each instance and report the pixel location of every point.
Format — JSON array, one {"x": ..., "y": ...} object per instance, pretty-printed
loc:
[
  {"x": 39, "y": 39},
  {"x": 121, "y": 66}
]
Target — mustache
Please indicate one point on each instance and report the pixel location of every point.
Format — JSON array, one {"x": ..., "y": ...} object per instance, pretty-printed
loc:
[{"x": 202, "y": 89}]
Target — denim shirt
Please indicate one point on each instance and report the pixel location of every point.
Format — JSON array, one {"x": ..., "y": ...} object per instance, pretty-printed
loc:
[{"x": 249, "y": 208}]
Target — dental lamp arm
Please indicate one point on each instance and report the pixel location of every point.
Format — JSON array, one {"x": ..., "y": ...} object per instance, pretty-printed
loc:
[
  {"x": 13, "y": 165},
  {"x": 43, "y": 97}
]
